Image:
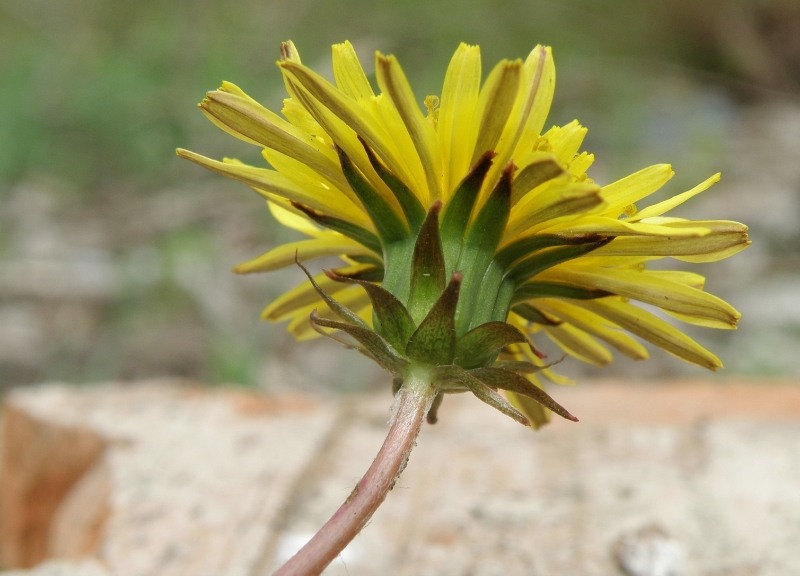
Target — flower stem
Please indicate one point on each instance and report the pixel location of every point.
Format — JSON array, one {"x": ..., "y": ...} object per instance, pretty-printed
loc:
[{"x": 411, "y": 405}]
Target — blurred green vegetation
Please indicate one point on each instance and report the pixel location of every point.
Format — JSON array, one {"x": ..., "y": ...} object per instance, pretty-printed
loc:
[
  {"x": 97, "y": 95},
  {"x": 100, "y": 92}
]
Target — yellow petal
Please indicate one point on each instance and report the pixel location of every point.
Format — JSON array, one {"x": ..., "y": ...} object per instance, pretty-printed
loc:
[
  {"x": 456, "y": 128},
  {"x": 722, "y": 240},
  {"x": 593, "y": 324},
  {"x": 309, "y": 179},
  {"x": 603, "y": 225},
  {"x": 669, "y": 204},
  {"x": 648, "y": 288},
  {"x": 241, "y": 116},
  {"x": 564, "y": 141},
  {"x": 496, "y": 101},
  {"x": 540, "y": 84},
  {"x": 580, "y": 164},
  {"x": 393, "y": 82},
  {"x": 529, "y": 100},
  {"x": 343, "y": 119},
  {"x": 653, "y": 329},
  {"x": 329, "y": 244},
  {"x": 299, "y": 117},
  {"x": 625, "y": 192},
  {"x": 289, "y": 52},
  {"x": 246, "y": 119},
  {"x": 685, "y": 277},
  {"x": 409, "y": 166},
  {"x": 579, "y": 344},
  {"x": 348, "y": 72},
  {"x": 524, "y": 352},
  {"x": 539, "y": 169},
  {"x": 552, "y": 202},
  {"x": 700, "y": 321},
  {"x": 268, "y": 182},
  {"x": 294, "y": 220}
]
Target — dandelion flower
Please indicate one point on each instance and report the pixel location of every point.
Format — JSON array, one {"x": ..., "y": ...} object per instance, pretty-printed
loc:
[{"x": 466, "y": 229}]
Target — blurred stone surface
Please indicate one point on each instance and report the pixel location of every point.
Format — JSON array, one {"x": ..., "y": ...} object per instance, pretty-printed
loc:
[
  {"x": 44, "y": 460},
  {"x": 675, "y": 478},
  {"x": 64, "y": 568}
]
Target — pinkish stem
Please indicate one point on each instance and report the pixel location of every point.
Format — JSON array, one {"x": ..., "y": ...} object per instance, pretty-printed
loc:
[{"x": 411, "y": 405}]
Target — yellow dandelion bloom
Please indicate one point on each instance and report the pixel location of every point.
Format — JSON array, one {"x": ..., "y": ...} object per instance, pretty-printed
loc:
[{"x": 465, "y": 227}]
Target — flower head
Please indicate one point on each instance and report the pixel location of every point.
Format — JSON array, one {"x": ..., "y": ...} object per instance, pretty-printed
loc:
[{"x": 465, "y": 228}]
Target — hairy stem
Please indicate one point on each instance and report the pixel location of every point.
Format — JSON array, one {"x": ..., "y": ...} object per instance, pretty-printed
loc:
[{"x": 412, "y": 402}]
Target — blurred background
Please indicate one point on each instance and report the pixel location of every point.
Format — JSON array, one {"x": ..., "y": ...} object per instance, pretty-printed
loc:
[{"x": 115, "y": 256}]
